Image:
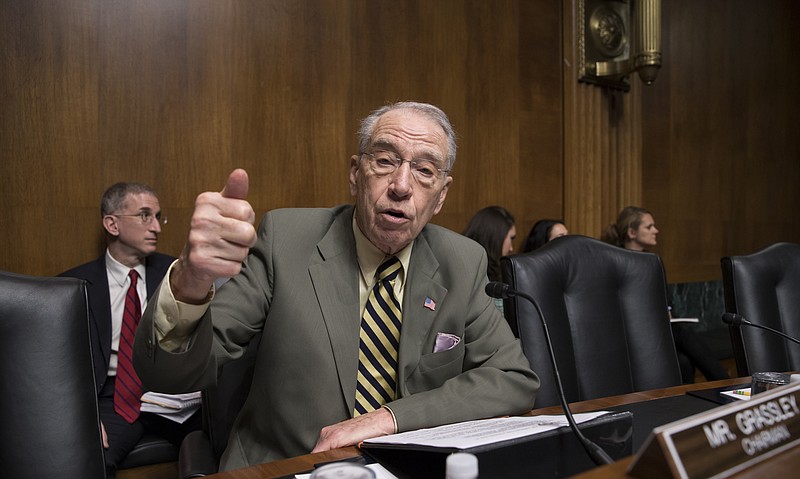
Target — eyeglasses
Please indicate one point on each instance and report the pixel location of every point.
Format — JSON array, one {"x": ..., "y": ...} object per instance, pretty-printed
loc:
[
  {"x": 147, "y": 217},
  {"x": 425, "y": 172}
]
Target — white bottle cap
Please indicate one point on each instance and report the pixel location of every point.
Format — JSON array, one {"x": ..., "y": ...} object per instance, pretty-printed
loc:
[{"x": 462, "y": 465}]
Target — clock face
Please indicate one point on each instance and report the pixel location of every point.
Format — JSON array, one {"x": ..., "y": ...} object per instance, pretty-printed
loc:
[{"x": 608, "y": 31}]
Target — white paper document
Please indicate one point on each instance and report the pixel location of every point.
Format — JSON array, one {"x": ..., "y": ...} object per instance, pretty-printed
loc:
[
  {"x": 684, "y": 320},
  {"x": 173, "y": 401},
  {"x": 465, "y": 435},
  {"x": 176, "y": 407}
]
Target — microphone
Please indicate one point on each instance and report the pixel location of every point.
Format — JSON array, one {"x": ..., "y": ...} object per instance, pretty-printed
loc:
[
  {"x": 496, "y": 289},
  {"x": 737, "y": 320},
  {"x": 499, "y": 290}
]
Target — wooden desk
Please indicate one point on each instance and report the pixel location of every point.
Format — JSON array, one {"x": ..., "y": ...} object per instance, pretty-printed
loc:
[
  {"x": 786, "y": 462},
  {"x": 782, "y": 465}
]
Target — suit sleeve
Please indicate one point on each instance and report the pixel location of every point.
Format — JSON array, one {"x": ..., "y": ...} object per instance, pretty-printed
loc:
[{"x": 238, "y": 310}]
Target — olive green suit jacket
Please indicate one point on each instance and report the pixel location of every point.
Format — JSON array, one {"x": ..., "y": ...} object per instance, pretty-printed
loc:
[{"x": 299, "y": 289}]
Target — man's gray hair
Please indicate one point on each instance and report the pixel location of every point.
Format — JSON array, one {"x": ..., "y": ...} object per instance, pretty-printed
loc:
[
  {"x": 433, "y": 112},
  {"x": 115, "y": 196}
]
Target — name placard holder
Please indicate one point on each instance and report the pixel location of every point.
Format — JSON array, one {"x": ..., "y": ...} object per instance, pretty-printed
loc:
[{"x": 723, "y": 441}]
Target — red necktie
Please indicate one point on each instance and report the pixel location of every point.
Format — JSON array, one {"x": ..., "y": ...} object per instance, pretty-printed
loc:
[{"x": 128, "y": 388}]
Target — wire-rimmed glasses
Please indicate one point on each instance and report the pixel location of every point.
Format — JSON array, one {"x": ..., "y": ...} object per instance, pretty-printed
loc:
[
  {"x": 425, "y": 172},
  {"x": 146, "y": 217}
]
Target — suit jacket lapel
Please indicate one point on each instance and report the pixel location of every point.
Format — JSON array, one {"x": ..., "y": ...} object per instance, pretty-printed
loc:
[
  {"x": 418, "y": 319},
  {"x": 334, "y": 276}
]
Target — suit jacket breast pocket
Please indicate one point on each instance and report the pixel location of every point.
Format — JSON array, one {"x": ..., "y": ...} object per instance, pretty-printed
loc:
[{"x": 436, "y": 368}]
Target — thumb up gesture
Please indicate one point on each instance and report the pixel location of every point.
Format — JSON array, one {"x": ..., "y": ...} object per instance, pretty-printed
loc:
[{"x": 220, "y": 236}]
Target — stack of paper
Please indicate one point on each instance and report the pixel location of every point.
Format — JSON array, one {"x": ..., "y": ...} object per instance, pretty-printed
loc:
[{"x": 176, "y": 407}]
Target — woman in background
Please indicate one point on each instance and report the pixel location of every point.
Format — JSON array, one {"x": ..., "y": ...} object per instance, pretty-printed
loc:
[
  {"x": 542, "y": 232},
  {"x": 493, "y": 228},
  {"x": 635, "y": 229}
]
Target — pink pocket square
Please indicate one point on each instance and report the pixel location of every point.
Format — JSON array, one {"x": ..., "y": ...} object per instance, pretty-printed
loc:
[{"x": 445, "y": 342}]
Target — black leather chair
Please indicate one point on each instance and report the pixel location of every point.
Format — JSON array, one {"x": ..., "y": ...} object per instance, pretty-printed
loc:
[
  {"x": 764, "y": 288},
  {"x": 49, "y": 423},
  {"x": 201, "y": 450},
  {"x": 606, "y": 310},
  {"x": 151, "y": 449}
]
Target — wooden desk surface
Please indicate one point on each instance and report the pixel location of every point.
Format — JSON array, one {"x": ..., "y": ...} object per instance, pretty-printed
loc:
[{"x": 785, "y": 463}]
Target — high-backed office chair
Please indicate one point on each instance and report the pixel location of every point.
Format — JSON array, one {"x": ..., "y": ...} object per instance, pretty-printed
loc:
[
  {"x": 764, "y": 288},
  {"x": 606, "y": 310},
  {"x": 49, "y": 423},
  {"x": 201, "y": 450}
]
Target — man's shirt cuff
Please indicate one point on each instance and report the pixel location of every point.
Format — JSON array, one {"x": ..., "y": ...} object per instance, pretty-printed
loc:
[{"x": 175, "y": 321}]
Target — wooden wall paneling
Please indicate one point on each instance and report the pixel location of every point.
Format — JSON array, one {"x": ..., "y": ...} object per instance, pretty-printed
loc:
[
  {"x": 602, "y": 143},
  {"x": 48, "y": 113},
  {"x": 541, "y": 125},
  {"x": 291, "y": 90},
  {"x": 176, "y": 95},
  {"x": 721, "y": 166},
  {"x": 490, "y": 165},
  {"x": 142, "y": 74}
]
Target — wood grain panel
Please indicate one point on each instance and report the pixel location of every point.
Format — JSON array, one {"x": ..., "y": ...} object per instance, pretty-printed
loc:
[
  {"x": 541, "y": 125},
  {"x": 602, "y": 143},
  {"x": 722, "y": 160},
  {"x": 176, "y": 94}
]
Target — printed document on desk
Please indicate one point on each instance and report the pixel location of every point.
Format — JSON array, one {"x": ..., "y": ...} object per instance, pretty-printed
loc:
[{"x": 465, "y": 435}]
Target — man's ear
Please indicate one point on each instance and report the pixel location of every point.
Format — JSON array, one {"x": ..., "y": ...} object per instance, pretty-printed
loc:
[
  {"x": 354, "y": 174},
  {"x": 111, "y": 225},
  {"x": 443, "y": 194}
]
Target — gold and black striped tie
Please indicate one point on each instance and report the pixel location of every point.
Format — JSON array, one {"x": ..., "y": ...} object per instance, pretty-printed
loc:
[{"x": 380, "y": 337}]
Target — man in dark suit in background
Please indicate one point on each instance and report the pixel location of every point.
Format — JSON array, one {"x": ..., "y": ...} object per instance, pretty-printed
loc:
[
  {"x": 331, "y": 289},
  {"x": 131, "y": 217}
]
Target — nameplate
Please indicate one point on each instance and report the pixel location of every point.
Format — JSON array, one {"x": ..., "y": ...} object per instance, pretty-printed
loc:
[{"x": 723, "y": 441}]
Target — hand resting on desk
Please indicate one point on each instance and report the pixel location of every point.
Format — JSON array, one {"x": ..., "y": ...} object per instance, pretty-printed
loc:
[{"x": 352, "y": 431}]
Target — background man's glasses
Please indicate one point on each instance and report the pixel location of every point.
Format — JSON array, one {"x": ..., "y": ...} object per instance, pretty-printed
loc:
[{"x": 146, "y": 217}]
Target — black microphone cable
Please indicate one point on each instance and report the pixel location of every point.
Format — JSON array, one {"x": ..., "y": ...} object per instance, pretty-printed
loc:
[
  {"x": 499, "y": 290},
  {"x": 737, "y": 320}
]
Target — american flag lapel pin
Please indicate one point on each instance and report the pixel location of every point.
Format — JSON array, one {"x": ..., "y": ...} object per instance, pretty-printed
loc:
[{"x": 429, "y": 303}]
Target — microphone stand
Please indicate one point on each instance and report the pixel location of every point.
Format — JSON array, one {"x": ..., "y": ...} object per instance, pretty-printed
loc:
[
  {"x": 737, "y": 320},
  {"x": 599, "y": 456}
]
